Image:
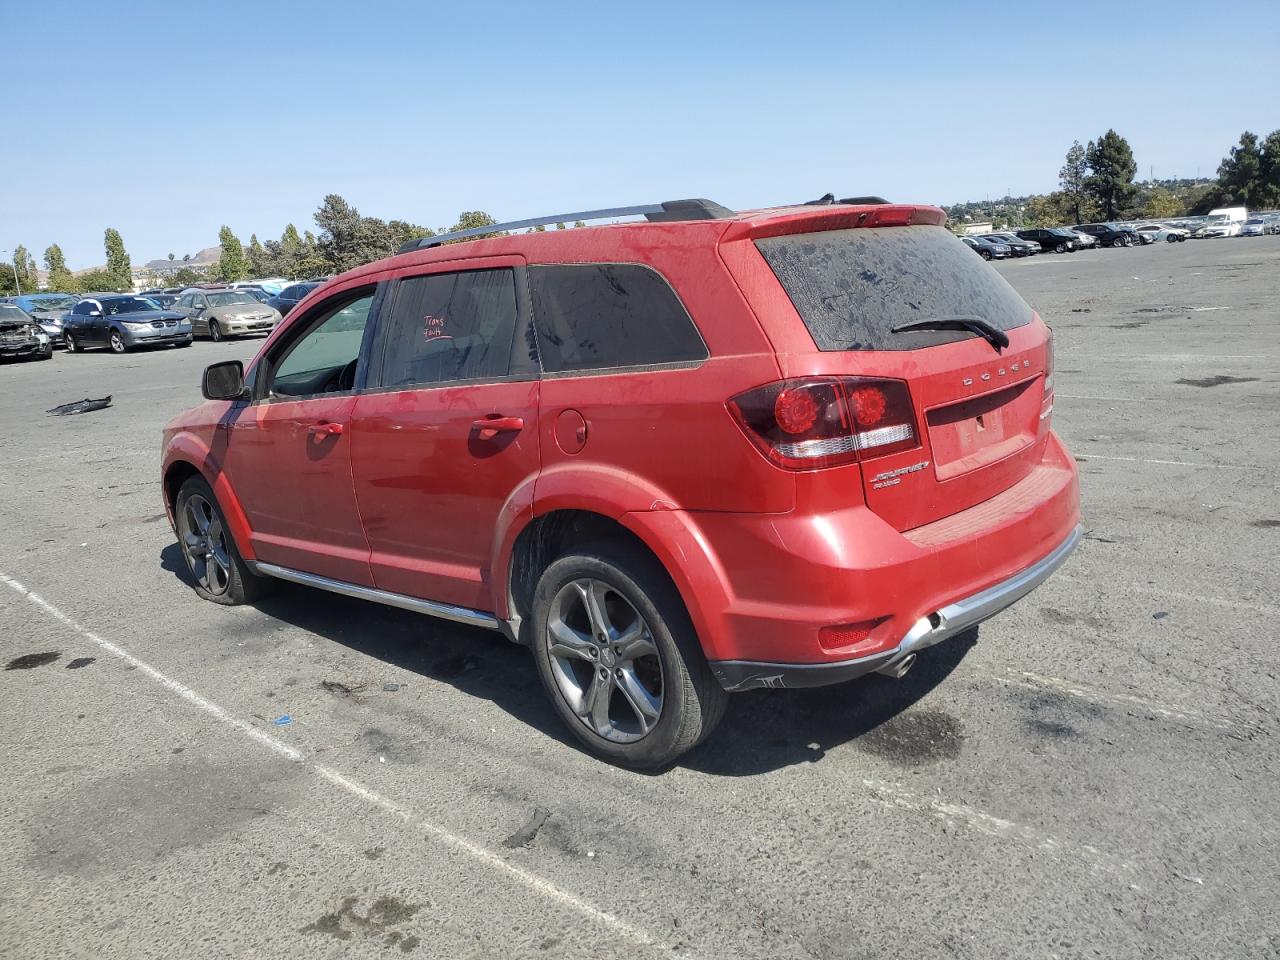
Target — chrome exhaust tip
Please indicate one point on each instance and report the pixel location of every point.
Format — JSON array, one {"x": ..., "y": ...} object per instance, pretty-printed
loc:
[{"x": 898, "y": 669}]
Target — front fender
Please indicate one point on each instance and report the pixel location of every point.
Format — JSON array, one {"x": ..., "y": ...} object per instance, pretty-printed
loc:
[{"x": 191, "y": 449}]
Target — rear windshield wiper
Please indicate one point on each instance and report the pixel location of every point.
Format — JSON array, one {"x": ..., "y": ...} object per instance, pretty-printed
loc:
[{"x": 993, "y": 335}]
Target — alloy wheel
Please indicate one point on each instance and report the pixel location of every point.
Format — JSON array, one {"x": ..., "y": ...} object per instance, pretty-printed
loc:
[
  {"x": 204, "y": 544},
  {"x": 215, "y": 331},
  {"x": 117, "y": 343},
  {"x": 604, "y": 660}
]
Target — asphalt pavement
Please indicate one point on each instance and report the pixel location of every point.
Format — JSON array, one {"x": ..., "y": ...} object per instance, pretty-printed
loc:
[{"x": 1094, "y": 776}]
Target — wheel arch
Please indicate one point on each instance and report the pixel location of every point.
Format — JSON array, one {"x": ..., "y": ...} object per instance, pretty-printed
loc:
[{"x": 187, "y": 458}]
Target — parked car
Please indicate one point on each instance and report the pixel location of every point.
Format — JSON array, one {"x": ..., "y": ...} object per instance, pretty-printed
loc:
[
  {"x": 1253, "y": 227},
  {"x": 1084, "y": 241},
  {"x": 1019, "y": 247},
  {"x": 218, "y": 314},
  {"x": 21, "y": 336},
  {"x": 165, "y": 300},
  {"x": 1057, "y": 239},
  {"x": 1215, "y": 227},
  {"x": 1162, "y": 231},
  {"x": 1109, "y": 234},
  {"x": 287, "y": 298},
  {"x": 47, "y": 309},
  {"x": 988, "y": 249},
  {"x": 123, "y": 322},
  {"x": 261, "y": 294},
  {"x": 679, "y": 458}
]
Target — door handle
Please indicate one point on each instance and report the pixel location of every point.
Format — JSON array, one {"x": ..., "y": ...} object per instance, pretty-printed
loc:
[
  {"x": 490, "y": 427},
  {"x": 324, "y": 429}
]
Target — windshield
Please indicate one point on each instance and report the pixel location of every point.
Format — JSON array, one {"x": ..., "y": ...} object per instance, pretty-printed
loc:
[
  {"x": 128, "y": 305},
  {"x": 852, "y": 287},
  {"x": 230, "y": 298},
  {"x": 47, "y": 303},
  {"x": 11, "y": 314}
]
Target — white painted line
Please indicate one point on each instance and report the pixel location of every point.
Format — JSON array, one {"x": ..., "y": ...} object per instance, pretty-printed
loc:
[
  {"x": 892, "y": 795},
  {"x": 1075, "y": 396},
  {"x": 533, "y": 881},
  {"x": 1035, "y": 681},
  {"x": 1167, "y": 463}
]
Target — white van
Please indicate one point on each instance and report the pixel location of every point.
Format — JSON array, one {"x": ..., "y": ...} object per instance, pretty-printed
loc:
[{"x": 1223, "y": 222}]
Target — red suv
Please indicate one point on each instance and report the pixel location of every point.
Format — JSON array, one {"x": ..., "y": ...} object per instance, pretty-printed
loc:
[{"x": 699, "y": 453}]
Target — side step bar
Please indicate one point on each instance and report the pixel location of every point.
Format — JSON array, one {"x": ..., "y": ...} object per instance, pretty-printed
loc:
[{"x": 444, "y": 611}]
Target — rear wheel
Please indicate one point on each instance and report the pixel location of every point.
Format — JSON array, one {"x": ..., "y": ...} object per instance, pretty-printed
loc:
[
  {"x": 215, "y": 331},
  {"x": 211, "y": 555},
  {"x": 619, "y": 658},
  {"x": 117, "y": 343}
]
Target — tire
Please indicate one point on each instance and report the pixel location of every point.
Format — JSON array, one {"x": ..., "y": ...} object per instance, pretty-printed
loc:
[
  {"x": 1171, "y": 238},
  {"x": 69, "y": 342},
  {"x": 1060, "y": 248},
  {"x": 986, "y": 254},
  {"x": 659, "y": 703},
  {"x": 185, "y": 343},
  {"x": 220, "y": 574},
  {"x": 116, "y": 342},
  {"x": 215, "y": 332}
]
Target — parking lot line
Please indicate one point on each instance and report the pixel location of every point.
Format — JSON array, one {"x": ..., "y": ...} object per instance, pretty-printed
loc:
[
  {"x": 891, "y": 795},
  {"x": 533, "y": 881},
  {"x": 1167, "y": 463},
  {"x": 1035, "y": 681},
  {"x": 1075, "y": 396}
]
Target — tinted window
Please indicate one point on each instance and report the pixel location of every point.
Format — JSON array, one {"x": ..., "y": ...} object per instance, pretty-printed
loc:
[
  {"x": 83, "y": 307},
  {"x": 451, "y": 326},
  {"x": 597, "y": 316},
  {"x": 852, "y": 287},
  {"x": 324, "y": 360}
]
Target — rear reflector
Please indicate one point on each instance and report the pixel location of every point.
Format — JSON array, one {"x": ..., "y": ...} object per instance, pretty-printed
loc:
[
  {"x": 845, "y": 635},
  {"x": 806, "y": 424},
  {"x": 1046, "y": 406}
]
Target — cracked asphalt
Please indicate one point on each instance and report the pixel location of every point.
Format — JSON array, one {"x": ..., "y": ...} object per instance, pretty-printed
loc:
[{"x": 1093, "y": 775}]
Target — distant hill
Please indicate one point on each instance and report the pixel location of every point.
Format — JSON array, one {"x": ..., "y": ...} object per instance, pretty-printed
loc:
[{"x": 206, "y": 257}]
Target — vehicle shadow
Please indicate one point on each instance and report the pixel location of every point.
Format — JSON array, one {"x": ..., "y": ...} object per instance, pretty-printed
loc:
[{"x": 763, "y": 731}]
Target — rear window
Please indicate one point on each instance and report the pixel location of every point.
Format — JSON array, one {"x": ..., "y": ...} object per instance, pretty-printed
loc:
[
  {"x": 852, "y": 287},
  {"x": 602, "y": 315}
]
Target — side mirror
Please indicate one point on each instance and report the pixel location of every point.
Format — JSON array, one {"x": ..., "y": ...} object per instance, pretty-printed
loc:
[{"x": 223, "y": 381}]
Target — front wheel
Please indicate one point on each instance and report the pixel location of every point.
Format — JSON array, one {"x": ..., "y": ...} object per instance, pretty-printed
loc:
[
  {"x": 117, "y": 343},
  {"x": 619, "y": 658},
  {"x": 986, "y": 254},
  {"x": 70, "y": 343},
  {"x": 1060, "y": 248},
  {"x": 215, "y": 331},
  {"x": 220, "y": 574}
]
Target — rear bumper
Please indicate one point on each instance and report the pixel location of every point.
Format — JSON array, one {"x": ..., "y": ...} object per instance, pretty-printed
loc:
[
  {"x": 832, "y": 590},
  {"x": 950, "y": 620}
]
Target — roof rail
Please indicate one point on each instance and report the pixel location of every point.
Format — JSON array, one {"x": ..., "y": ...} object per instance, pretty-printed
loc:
[
  {"x": 829, "y": 199},
  {"x": 664, "y": 212}
]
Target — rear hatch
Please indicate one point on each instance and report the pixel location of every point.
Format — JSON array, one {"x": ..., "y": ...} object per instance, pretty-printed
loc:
[{"x": 980, "y": 404}]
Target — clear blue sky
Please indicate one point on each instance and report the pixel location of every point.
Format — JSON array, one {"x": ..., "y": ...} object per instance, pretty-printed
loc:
[{"x": 166, "y": 120}]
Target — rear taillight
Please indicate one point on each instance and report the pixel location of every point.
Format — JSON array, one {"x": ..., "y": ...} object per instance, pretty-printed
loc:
[
  {"x": 805, "y": 424},
  {"x": 1046, "y": 405}
]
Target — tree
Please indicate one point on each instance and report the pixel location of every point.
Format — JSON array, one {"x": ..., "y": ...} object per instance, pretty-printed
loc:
[
  {"x": 119, "y": 269},
  {"x": 470, "y": 219},
  {"x": 1161, "y": 205},
  {"x": 60, "y": 278},
  {"x": 24, "y": 270},
  {"x": 340, "y": 233},
  {"x": 97, "y": 280},
  {"x": 1071, "y": 178},
  {"x": 171, "y": 258},
  {"x": 188, "y": 277},
  {"x": 1051, "y": 209},
  {"x": 1111, "y": 172},
  {"x": 232, "y": 265},
  {"x": 257, "y": 257},
  {"x": 1240, "y": 173}
]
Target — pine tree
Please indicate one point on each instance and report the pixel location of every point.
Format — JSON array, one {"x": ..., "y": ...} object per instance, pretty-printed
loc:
[
  {"x": 1071, "y": 178},
  {"x": 118, "y": 266},
  {"x": 1111, "y": 172}
]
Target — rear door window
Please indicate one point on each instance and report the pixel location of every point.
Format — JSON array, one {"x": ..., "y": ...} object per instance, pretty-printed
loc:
[
  {"x": 451, "y": 326},
  {"x": 852, "y": 287},
  {"x": 598, "y": 316}
]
